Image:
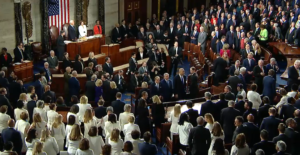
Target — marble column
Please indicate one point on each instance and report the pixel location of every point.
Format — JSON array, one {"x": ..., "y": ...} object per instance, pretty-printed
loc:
[
  {"x": 18, "y": 23},
  {"x": 101, "y": 15},
  {"x": 78, "y": 12},
  {"x": 45, "y": 26}
]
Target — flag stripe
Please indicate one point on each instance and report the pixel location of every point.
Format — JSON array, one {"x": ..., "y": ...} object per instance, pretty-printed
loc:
[{"x": 58, "y": 13}]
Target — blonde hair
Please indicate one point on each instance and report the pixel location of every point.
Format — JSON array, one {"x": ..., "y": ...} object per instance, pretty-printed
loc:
[
  {"x": 36, "y": 119},
  {"x": 38, "y": 148},
  {"x": 45, "y": 135},
  {"x": 75, "y": 133},
  {"x": 23, "y": 97},
  {"x": 115, "y": 133},
  {"x": 225, "y": 47},
  {"x": 88, "y": 115},
  {"x": 98, "y": 83},
  {"x": 57, "y": 121},
  {"x": 131, "y": 119},
  {"x": 177, "y": 110},
  {"x": 209, "y": 118},
  {"x": 156, "y": 99},
  {"x": 83, "y": 100},
  {"x": 144, "y": 85},
  {"x": 113, "y": 85}
]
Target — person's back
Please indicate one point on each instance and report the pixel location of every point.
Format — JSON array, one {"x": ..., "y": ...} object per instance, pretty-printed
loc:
[
  {"x": 10, "y": 134},
  {"x": 146, "y": 148}
]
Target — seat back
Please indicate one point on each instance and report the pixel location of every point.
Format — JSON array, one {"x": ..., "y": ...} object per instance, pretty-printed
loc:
[
  {"x": 54, "y": 32},
  {"x": 173, "y": 146},
  {"x": 186, "y": 46},
  {"x": 37, "y": 47},
  {"x": 163, "y": 132},
  {"x": 65, "y": 28}
]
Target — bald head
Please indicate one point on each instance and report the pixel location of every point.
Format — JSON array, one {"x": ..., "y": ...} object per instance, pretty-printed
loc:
[
  {"x": 200, "y": 120},
  {"x": 11, "y": 123},
  {"x": 297, "y": 113},
  {"x": 250, "y": 118}
]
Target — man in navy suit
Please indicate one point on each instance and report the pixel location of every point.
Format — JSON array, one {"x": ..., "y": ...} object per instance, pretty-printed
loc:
[
  {"x": 259, "y": 73},
  {"x": 251, "y": 131},
  {"x": 249, "y": 64},
  {"x": 267, "y": 146},
  {"x": 221, "y": 43},
  {"x": 176, "y": 55},
  {"x": 271, "y": 123},
  {"x": 196, "y": 14},
  {"x": 180, "y": 85},
  {"x": 155, "y": 88},
  {"x": 118, "y": 105},
  {"x": 71, "y": 31},
  {"x": 229, "y": 22},
  {"x": 213, "y": 43},
  {"x": 269, "y": 85},
  {"x": 272, "y": 65},
  {"x": 31, "y": 105},
  {"x": 12, "y": 135},
  {"x": 235, "y": 67},
  {"x": 242, "y": 76},
  {"x": 193, "y": 114},
  {"x": 74, "y": 85},
  {"x": 289, "y": 36},
  {"x": 222, "y": 19},
  {"x": 20, "y": 56},
  {"x": 230, "y": 37},
  {"x": 146, "y": 148},
  {"x": 39, "y": 88},
  {"x": 166, "y": 88},
  {"x": 208, "y": 106}
]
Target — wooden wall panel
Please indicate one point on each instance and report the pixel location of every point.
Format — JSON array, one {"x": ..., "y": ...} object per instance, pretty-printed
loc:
[{"x": 134, "y": 9}]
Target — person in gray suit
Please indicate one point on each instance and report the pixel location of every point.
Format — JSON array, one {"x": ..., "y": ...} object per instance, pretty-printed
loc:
[
  {"x": 202, "y": 39},
  {"x": 278, "y": 34},
  {"x": 52, "y": 61},
  {"x": 143, "y": 69}
]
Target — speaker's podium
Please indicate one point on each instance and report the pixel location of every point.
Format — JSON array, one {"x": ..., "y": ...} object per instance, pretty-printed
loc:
[
  {"x": 110, "y": 49},
  {"x": 23, "y": 70}
]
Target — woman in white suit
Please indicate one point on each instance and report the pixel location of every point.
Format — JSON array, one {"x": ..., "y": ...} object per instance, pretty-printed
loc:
[
  {"x": 3, "y": 118},
  {"x": 19, "y": 110},
  {"x": 83, "y": 105},
  {"x": 74, "y": 139},
  {"x": 84, "y": 148},
  {"x": 216, "y": 132},
  {"x": 174, "y": 118},
  {"x": 30, "y": 140},
  {"x": 23, "y": 126},
  {"x": 82, "y": 30},
  {"x": 38, "y": 149},
  {"x": 50, "y": 144},
  {"x": 128, "y": 128},
  {"x": 40, "y": 109},
  {"x": 110, "y": 125},
  {"x": 123, "y": 118},
  {"x": 89, "y": 121},
  {"x": 51, "y": 114},
  {"x": 58, "y": 131},
  {"x": 96, "y": 141},
  {"x": 116, "y": 142},
  {"x": 73, "y": 112},
  {"x": 38, "y": 124}
]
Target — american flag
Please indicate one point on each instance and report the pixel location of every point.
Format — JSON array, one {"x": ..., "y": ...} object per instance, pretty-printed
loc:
[{"x": 58, "y": 13}]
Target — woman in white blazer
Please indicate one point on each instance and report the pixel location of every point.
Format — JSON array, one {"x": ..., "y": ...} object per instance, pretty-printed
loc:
[
  {"x": 136, "y": 141},
  {"x": 3, "y": 118},
  {"x": 19, "y": 110},
  {"x": 123, "y": 118},
  {"x": 73, "y": 112},
  {"x": 30, "y": 141},
  {"x": 51, "y": 114},
  {"x": 110, "y": 125},
  {"x": 82, "y": 30},
  {"x": 38, "y": 149},
  {"x": 89, "y": 121},
  {"x": 174, "y": 118},
  {"x": 96, "y": 141},
  {"x": 58, "y": 131},
  {"x": 254, "y": 97},
  {"x": 84, "y": 148},
  {"x": 116, "y": 142},
  {"x": 69, "y": 126},
  {"x": 183, "y": 129},
  {"x": 209, "y": 119},
  {"x": 23, "y": 126},
  {"x": 217, "y": 132},
  {"x": 83, "y": 105},
  {"x": 128, "y": 128},
  {"x": 38, "y": 124},
  {"x": 50, "y": 144},
  {"x": 74, "y": 139},
  {"x": 40, "y": 109}
]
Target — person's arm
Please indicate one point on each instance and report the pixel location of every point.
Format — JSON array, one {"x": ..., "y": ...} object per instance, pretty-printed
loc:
[{"x": 55, "y": 145}]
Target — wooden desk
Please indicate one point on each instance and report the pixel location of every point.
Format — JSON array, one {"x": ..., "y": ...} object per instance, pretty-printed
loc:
[
  {"x": 292, "y": 53},
  {"x": 100, "y": 59},
  {"x": 83, "y": 48},
  {"x": 24, "y": 70},
  {"x": 122, "y": 57},
  {"x": 59, "y": 82}
]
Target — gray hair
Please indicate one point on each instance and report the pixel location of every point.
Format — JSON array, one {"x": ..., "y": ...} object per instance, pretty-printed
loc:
[
  {"x": 166, "y": 74},
  {"x": 91, "y": 53},
  {"x": 51, "y": 51},
  {"x": 253, "y": 42},
  {"x": 110, "y": 108},
  {"x": 259, "y": 152},
  {"x": 2, "y": 73},
  {"x": 297, "y": 62},
  {"x": 230, "y": 103},
  {"x": 272, "y": 59},
  {"x": 74, "y": 73},
  {"x": 281, "y": 145},
  {"x": 207, "y": 95},
  {"x": 200, "y": 120},
  {"x": 40, "y": 103},
  {"x": 93, "y": 78},
  {"x": 127, "y": 107},
  {"x": 243, "y": 69},
  {"x": 237, "y": 61}
]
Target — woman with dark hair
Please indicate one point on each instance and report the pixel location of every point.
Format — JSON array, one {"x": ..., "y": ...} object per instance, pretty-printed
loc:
[
  {"x": 184, "y": 127},
  {"x": 30, "y": 140},
  {"x": 96, "y": 141},
  {"x": 240, "y": 146},
  {"x": 216, "y": 133},
  {"x": 5, "y": 58},
  {"x": 60, "y": 102},
  {"x": 106, "y": 149},
  {"x": 8, "y": 149},
  {"x": 74, "y": 100},
  {"x": 78, "y": 64},
  {"x": 66, "y": 61},
  {"x": 222, "y": 30},
  {"x": 84, "y": 148},
  {"x": 69, "y": 126},
  {"x": 20, "y": 109},
  {"x": 73, "y": 112},
  {"x": 218, "y": 148},
  {"x": 128, "y": 147},
  {"x": 110, "y": 125}
]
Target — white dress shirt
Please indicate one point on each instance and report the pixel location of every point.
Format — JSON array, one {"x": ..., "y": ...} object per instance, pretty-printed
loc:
[
  {"x": 85, "y": 152},
  {"x": 3, "y": 121},
  {"x": 183, "y": 131},
  {"x": 116, "y": 147},
  {"x": 18, "y": 112},
  {"x": 123, "y": 118},
  {"x": 82, "y": 31},
  {"x": 42, "y": 112},
  {"x": 96, "y": 144},
  {"x": 82, "y": 109},
  {"x": 254, "y": 97},
  {"x": 174, "y": 122},
  {"x": 21, "y": 126},
  {"x": 50, "y": 146},
  {"x": 109, "y": 128},
  {"x": 128, "y": 128},
  {"x": 51, "y": 115}
]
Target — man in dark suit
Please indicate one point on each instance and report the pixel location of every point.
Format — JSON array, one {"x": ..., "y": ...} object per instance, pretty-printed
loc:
[
  {"x": 238, "y": 122},
  {"x": 233, "y": 81},
  {"x": 39, "y": 88},
  {"x": 263, "y": 110},
  {"x": 19, "y": 53},
  {"x": 3, "y": 81},
  {"x": 221, "y": 104},
  {"x": 31, "y": 105},
  {"x": 271, "y": 123},
  {"x": 186, "y": 32},
  {"x": 227, "y": 118},
  {"x": 116, "y": 34},
  {"x": 132, "y": 63},
  {"x": 293, "y": 74},
  {"x": 267, "y": 146},
  {"x": 193, "y": 114},
  {"x": 256, "y": 31},
  {"x": 240, "y": 104},
  {"x": 142, "y": 34},
  {"x": 251, "y": 131},
  {"x": 208, "y": 106},
  {"x": 272, "y": 65},
  {"x": 180, "y": 85},
  {"x": 107, "y": 66},
  {"x": 90, "y": 88},
  {"x": 287, "y": 110},
  {"x": 134, "y": 81},
  {"x": 199, "y": 136},
  {"x": 5, "y": 101},
  {"x": 230, "y": 37},
  {"x": 171, "y": 33},
  {"x": 12, "y": 135},
  {"x": 106, "y": 87},
  {"x": 259, "y": 73},
  {"x": 101, "y": 111},
  {"x": 250, "y": 110},
  {"x": 179, "y": 35},
  {"x": 74, "y": 85},
  {"x": 193, "y": 83},
  {"x": 48, "y": 74},
  {"x": 249, "y": 64},
  {"x": 176, "y": 55},
  {"x": 142, "y": 54},
  {"x": 50, "y": 93},
  {"x": 158, "y": 34},
  {"x": 228, "y": 94},
  {"x": 155, "y": 88},
  {"x": 118, "y": 105},
  {"x": 221, "y": 43},
  {"x": 283, "y": 137},
  {"x": 269, "y": 85},
  {"x": 61, "y": 45},
  {"x": 293, "y": 135},
  {"x": 123, "y": 29},
  {"x": 289, "y": 36},
  {"x": 72, "y": 31},
  {"x": 146, "y": 148},
  {"x": 220, "y": 70},
  {"x": 213, "y": 43},
  {"x": 297, "y": 119},
  {"x": 119, "y": 80},
  {"x": 166, "y": 88},
  {"x": 234, "y": 68}
]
